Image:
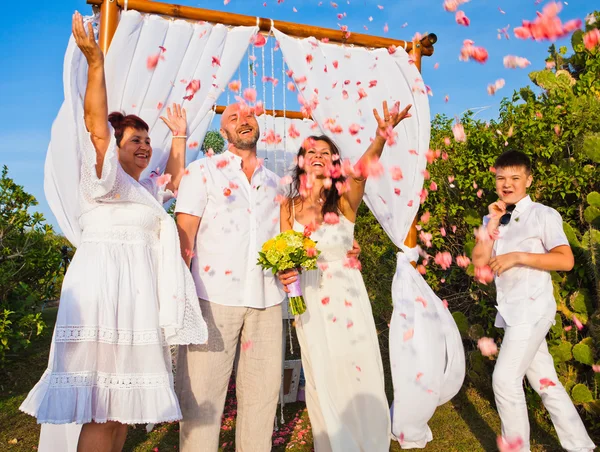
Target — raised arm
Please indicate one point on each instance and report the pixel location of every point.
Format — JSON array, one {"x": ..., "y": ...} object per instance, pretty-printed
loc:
[
  {"x": 385, "y": 131},
  {"x": 177, "y": 123},
  {"x": 482, "y": 252},
  {"x": 95, "y": 104},
  {"x": 285, "y": 216}
]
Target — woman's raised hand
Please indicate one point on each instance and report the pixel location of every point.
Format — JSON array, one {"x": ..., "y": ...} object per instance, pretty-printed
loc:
[
  {"x": 176, "y": 120},
  {"x": 391, "y": 118},
  {"x": 86, "y": 41}
]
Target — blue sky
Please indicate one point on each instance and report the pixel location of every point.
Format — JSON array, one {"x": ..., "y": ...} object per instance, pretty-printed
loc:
[{"x": 35, "y": 38}]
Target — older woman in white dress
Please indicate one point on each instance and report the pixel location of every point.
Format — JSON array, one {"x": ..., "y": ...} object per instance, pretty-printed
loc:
[{"x": 127, "y": 294}]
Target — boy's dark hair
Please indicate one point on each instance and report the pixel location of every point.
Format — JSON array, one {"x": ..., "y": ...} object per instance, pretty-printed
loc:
[{"x": 512, "y": 159}]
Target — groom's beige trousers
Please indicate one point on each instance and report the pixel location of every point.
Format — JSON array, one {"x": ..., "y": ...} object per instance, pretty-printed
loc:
[{"x": 203, "y": 373}]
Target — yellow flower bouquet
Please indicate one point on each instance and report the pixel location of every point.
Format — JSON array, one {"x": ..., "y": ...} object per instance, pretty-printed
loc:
[{"x": 290, "y": 249}]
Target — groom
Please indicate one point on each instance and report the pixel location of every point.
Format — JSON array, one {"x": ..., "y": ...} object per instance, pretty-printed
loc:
[{"x": 226, "y": 209}]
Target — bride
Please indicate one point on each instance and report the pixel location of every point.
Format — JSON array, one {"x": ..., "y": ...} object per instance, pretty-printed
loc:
[
  {"x": 345, "y": 392},
  {"x": 127, "y": 294}
]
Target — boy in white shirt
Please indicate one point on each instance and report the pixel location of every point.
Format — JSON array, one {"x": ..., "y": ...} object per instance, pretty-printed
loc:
[{"x": 526, "y": 242}]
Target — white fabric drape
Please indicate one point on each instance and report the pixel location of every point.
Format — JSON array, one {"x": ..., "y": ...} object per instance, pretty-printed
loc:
[
  {"x": 348, "y": 83},
  {"x": 190, "y": 51},
  {"x": 279, "y": 157}
]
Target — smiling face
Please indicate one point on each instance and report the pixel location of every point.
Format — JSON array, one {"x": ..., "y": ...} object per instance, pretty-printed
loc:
[
  {"x": 318, "y": 159},
  {"x": 135, "y": 151},
  {"x": 239, "y": 127},
  {"x": 512, "y": 183}
]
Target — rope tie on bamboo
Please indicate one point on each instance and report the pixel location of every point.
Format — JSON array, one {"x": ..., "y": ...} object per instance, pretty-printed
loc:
[
  {"x": 125, "y": 8},
  {"x": 258, "y": 22},
  {"x": 405, "y": 45}
]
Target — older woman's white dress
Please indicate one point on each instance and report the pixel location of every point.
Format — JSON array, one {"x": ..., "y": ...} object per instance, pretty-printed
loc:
[{"x": 126, "y": 296}]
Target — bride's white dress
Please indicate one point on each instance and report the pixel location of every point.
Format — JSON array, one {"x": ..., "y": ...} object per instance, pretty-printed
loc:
[
  {"x": 126, "y": 296},
  {"x": 345, "y": 392}
]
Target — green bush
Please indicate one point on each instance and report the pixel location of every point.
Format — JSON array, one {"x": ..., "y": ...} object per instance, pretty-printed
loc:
[
  {"x": 30, "y": 258},
  {"x": 213, "y": 140}
]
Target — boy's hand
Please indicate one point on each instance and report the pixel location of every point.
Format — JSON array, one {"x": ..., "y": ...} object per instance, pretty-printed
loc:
[
  {"x": 504, "y": 262},
  {"x": 496, "y": 210}
]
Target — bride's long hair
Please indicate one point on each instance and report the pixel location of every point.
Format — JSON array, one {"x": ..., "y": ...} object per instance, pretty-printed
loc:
[{"x": 331, "y": 195}]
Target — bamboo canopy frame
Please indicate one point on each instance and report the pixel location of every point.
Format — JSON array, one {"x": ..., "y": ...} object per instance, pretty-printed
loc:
[{"x": 109, "y": 19}]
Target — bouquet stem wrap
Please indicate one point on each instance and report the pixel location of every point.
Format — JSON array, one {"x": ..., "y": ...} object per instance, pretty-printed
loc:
[{"x": 297, "y": 304}]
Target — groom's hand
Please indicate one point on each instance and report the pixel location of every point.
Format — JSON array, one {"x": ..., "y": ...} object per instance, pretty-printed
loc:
[
  {"x": 355, "y": 251},
  {"x": 287, "y": 277}
]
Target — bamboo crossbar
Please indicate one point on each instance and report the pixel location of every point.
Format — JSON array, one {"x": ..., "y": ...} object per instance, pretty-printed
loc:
[
  {"x": 109, "y": 19},
  {"x": 289, "y": 28}
]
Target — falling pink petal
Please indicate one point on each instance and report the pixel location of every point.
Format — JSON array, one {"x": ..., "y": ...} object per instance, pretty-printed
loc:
[
  {"x": 462, "y": 19},
  {"x": 258, "y": 40},
  {"x": 513, "y": 62},
  {"x": 250, "y": 94},
  {"x": 246, "y": 345},
  {"x": 546, "y": 383},
  {"x": 163, "y": 180},
  {"x": 487, "y": 346},
  {"x": 191, "y": 89},
  {"x": 463, "y": 261},
  {"x": 452, "y": 5},
  {"x": 409, "y": 334},
  {"x": 547, "y": 26},
  {"x": 510, "y": 445},
  {"x": 152, "y": 61},
  {"x": 331, "y": 218},
  {"x": 235, "y": 86},
  {"x": 484, "y": 275},
  {"x": 216, "y": 61},
  {"x": 422, "y": 301},
  {"x": 498, "y": 84},
  {"x": 469, "y": 51}
]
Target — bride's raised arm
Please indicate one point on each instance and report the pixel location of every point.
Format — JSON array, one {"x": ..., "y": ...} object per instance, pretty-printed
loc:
[
  {"x": 95, "y": 104},
  {"x": 385, "y": 127}
]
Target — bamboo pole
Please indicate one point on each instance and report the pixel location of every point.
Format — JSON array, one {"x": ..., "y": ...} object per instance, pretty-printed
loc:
[
  {"x": 289, "y": 28},
  {"x": 109, "y": 19},
  {"x": 411, "y": 238},
  {"x": 219, "y": 109}
]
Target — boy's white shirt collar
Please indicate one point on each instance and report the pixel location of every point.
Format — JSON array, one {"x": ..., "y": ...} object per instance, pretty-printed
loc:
[{"x": 522, "y": 205}]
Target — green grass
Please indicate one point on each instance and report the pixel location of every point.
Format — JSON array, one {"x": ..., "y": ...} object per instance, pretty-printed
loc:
[{"x": 467, "y": 423}]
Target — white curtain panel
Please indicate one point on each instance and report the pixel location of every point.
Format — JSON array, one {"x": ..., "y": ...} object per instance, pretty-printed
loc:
[
  {"x": 348, "y": 82},
  {"x": 187, "y": 51},
  {"x": 279, "y": 157}
]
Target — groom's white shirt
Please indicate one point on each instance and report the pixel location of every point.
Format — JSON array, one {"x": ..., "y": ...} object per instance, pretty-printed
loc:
[{"x": 237, "y": 218}]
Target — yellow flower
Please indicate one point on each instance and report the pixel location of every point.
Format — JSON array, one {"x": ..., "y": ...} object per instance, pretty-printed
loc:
[
  {"x": 268, "y": 245},
  {"x": 308, "y": 243},
  {"x": 280, "y": 245}
]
